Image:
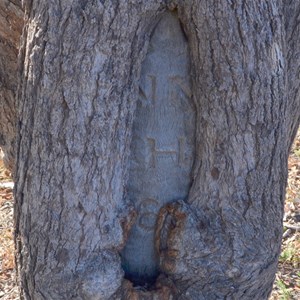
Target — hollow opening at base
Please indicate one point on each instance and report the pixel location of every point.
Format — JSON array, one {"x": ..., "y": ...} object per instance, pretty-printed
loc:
[{"x": 145, "y": 282}]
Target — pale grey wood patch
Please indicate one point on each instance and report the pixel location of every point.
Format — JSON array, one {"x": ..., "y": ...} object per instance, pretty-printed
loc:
[{"x": 162, "y": 148}]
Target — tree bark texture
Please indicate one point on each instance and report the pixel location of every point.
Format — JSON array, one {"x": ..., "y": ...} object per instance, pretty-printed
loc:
[
  {"x": 11, "y": 24},
  {"x": 81, "y": 63}
]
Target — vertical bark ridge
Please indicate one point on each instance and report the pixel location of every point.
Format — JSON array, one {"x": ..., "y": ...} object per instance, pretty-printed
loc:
[
  {"x": 292, "y": 30},
  {"x": 240, "y": 96},
  {"x": 11, "y": 22},
  {"x": 81, "y": 71}
]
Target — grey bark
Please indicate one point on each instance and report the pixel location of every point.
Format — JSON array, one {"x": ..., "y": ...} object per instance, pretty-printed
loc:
[
  {"x": 11, "y": 24},
  {"x": 81, "y": 63}
]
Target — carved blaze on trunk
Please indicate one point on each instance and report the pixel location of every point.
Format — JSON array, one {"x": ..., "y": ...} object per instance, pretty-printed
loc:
[
  {"x": 204, "y": 170},
  {"x": 162, "y": 149}
]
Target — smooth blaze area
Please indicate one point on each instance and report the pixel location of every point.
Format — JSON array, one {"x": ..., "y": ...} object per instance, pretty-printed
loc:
[{"x": 162, "y": 149}]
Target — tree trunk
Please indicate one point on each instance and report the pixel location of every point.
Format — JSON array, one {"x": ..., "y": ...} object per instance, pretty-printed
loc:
[
  {"x": 83, "y": 166},
  {"x": 11, "y": 24}
]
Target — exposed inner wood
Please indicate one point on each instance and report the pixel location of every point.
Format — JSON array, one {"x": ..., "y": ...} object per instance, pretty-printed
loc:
[{"x": 162, "y": 147}]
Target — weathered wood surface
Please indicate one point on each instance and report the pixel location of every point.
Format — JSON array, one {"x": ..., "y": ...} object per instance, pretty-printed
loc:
[
  {"x": 162, "y": 147},
  {"x": 81, "y": 64}
]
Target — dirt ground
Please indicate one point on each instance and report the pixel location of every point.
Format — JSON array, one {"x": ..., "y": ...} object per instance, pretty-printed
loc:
[
  {"x": 8, "y": 288},
  {"x": 287, "y": 283}
]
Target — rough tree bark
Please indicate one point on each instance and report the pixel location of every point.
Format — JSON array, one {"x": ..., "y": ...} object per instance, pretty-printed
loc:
[
  {"x": 11, "y": 24},
  {"x": 80, "y": 64}
]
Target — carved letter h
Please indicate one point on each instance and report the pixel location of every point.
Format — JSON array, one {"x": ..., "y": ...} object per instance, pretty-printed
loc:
[{"x": 179, "y": 154}]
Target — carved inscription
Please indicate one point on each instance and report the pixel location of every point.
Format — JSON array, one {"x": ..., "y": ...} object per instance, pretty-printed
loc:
[
  {"x": 147, "y": 217},
  {"x": 152, "y": 98},
  {"x": 177, "y": 155},
  {"x": 162, "y": 148}
]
